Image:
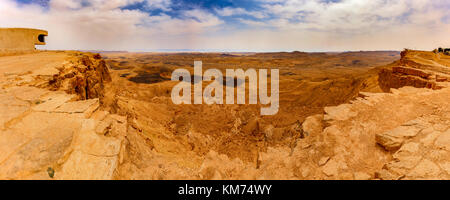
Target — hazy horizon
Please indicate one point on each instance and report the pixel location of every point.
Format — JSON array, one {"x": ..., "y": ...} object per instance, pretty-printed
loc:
[{"x": 217, "y": 51}]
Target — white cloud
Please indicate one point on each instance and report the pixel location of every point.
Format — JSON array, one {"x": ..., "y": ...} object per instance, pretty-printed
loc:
[
  {"x": 354, "y": 15},
  {"x": 356, "y": 24},
  {"x": 229, "y": 11},
  {"x": 101, "y": 24},
  {"x": 159, "y": 4}
]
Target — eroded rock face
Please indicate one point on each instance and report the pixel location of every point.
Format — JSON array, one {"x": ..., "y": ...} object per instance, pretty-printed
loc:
[
  {"x": 422, "y": 157},
  {"x": 390, "y": 79},
  {"x": 57, "y": 134},
  {"x": 313, "y": 125},
  {"x": 85, "y": 76},
  {"x": 417, "y": 69},
  {"x": 92, "y": 155},
  {"x": 395, "y": 135}
]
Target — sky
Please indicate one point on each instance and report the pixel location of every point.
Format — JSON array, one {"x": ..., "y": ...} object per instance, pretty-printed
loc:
[{"x": 229, "y": 25}]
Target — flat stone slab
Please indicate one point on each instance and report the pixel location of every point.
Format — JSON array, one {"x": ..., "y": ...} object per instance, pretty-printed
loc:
[
  {"x": 424, "y": 170},
  {"x": 36, "y": 122},
  {"x": 31, "y": 94},
  {"x": 43, "y": 63},
  {"x": 37, "y": 154},
  {"x": 9, "y": 113},
  {"x": 53, "y": 101},
  {"x": 99, "y": 115},
  {"x": 33, "y": 153},
  {"x": 94, "y": 156},
  {"x": 49, "y": 69},
  {"x": 9, "y": 100},
  {"x": 340, "y": 113},
  {"x": 82, "y": 166},
  {"x": 88, "y": 141},
  {"x": 9, "y": 142},
  {"x": 11, "y": 108},
  {"x": 41, "y": 129},
  {"x": 87, "y": 106},
  {"x": 394, "y": 139},
  {"x": 443, "y": 141}
]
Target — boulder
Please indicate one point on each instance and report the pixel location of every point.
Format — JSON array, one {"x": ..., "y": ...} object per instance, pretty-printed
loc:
[
  {"x": 361, "y": 176},
  {"x": 340, "y": 113},
  {"x": 426, "y": 169},
  {"x": 443, "y": 141},
  {"x": 313, "y": 125},
  {"x": 392, "y": 140}
]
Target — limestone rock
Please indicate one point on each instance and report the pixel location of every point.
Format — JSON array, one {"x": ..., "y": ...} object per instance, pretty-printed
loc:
[
  {"x": 274, "y": 134},
  {"x": 411, "y": 71},
  {"x": 443, "y": 141},
  {"x": 323, "y": 160},
  {"x": 99, "y": 115},
  {"x": 313, "y": 125},
  {"x": 252, "y": 127},
  {"x": 331, "y": 168},
  {"x": 425, "y": 170},
  {"x": 45, "y": 129},
  {"x": 89, "y": 142},
  {"x": 26, "y": 93},
  {"x": 9, "y": 113},
  {"x": 85, "y": 77},
  {"x": 392, "y": 140},
  {"x": 386, "y": 175},
  {"x": 86, "y": 107},
  {"x": 389, "y": 142},
  {"x": 410, "y": 148},
  {"x": 119, "y": 118},
  {"x": 103, "y": 127},
  {"x": 402, "y": 165},
  {"x": 10, "y": 141},
  {"x": 53, "y": 101},
  {"x": 340, "y": 113},
  {"x": 446, "y": 167},
  {"x": 361, "y": 176},
  {"x": 35, "y": 143},
  {"x": 94, "y": 156},
  {"x": 81, "y": 166}
]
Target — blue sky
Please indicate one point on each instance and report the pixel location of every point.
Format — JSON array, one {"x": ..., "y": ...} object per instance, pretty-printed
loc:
[
  {"x": 228, "y": 25},
  {"x": 176, "y": 7}
]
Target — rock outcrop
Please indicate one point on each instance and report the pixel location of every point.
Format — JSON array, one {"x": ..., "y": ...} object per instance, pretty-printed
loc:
[
  {"x": 415, "y": 68},
  {"x": 51, "y": 124},
  {"x": 84, "y": 76}
]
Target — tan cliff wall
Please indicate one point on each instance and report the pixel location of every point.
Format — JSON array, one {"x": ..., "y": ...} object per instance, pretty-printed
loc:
[
  {"x": 21, "y": 39},
  {"x": 415, "y": 68},
  {"x": 84, "y": 76}
]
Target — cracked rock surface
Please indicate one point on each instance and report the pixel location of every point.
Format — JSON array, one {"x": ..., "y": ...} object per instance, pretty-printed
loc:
[{"x": 49, "y": 118}]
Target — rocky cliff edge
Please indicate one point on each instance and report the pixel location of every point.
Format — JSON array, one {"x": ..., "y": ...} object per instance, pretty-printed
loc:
[{"x": 51, "y": 124}]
